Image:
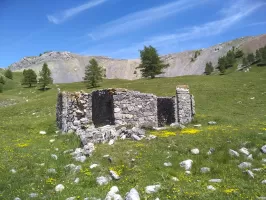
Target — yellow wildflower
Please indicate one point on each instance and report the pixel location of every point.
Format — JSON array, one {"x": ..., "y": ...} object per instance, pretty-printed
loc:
[
  {"x": 191, "y": 131},
  {"x": 229, "y": 191},
  {"x": 21, "y": 145}
]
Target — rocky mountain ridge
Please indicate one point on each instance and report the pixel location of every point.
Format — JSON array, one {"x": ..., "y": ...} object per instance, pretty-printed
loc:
[{"x": 68, "y": 67}]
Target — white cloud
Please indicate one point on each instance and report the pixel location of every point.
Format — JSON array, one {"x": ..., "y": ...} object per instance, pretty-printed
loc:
[
  {"x": 139, "y": 19},
  {"x": 58, "y": 18},
  {"x": 208, "y": 29}
]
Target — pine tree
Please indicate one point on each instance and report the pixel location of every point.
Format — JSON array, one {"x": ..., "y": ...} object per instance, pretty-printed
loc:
[
  {"x": 208, "y": 68},
  {"x": 151, "y": 64},
  {"x": 2, "y": 80},
  {"x": 8, "y": 74},
  {"x": 93, "y": 74},
  {"x": 29, "y": 77},
  {"x": 45, "y": 77},
  {"x": 251, "y": 58},
  {"x": 239, "y": 53},
  {"x": 222, "y": 63},
  {"x": 230, "y": 59}
]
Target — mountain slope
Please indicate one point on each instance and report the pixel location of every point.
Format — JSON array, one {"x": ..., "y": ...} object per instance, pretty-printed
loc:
[{"x": 68, "y": 67}]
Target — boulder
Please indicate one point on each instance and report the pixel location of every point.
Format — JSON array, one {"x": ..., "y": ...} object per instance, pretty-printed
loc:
[
  {"x": 186, "y": 164},
  {"x": 132, "y": 195}
]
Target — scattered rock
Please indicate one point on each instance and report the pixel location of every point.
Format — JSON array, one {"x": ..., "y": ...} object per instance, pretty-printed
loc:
[
  {"x": 261, "y": 198},
  {"x": 197, "y": 125},
  {"x": 105, "y": 156},
  {"x": 111, "y": 142},
  {"x": 13, "y": 171},
  {"x": 132, "y": 195},
  {"x": 103, "y": 180},
  {"x": 51, "y": 171},
  {"x": 244, "y": 151},
  {"x": 43, "y": 132},
  {"x": 52, "y": 140},
  {"x": 73, "y": 168},
  {"x": 76, "y": 181},
  {"x": 250, "y": 173},
  {"x": 17, "y": 198},
  {"x": 112, "y": 194},
  {"x": 53, "y": 156},
  {"x": 263, "y": 149},
  {"x": 151, "y": 137},
  {"x": 205, "y": 170},
  {"x": 263, "y": 182},
  {"x": 89, "y": 149},
  {"x": 93, "y": 166},
  {"x": 245, "y": 165},
  {"x": 168, "y": 164},
  {"x": 257, "y": 169},
  {"x": 175, "y": 179},
  {"x": 188, "y": 172},
  {"x": 211, "y": 151},
  {"x": 152, "y": 189},
  {"x": 250, "y": 157},
  {"x": 263, "y": 160},
  {"x": 33, "y": 195},
  {"x": 195, "y": 151},
  {"x": 135, "y": 137},
  {"x": 71, "y": 198},
  {"x": 233, "y": 153},
  {"x": 187, "y": 164},
  {"x": 215, "y": 180},
  {"x": 212, "y": 123},
  {"x": 80, "y": 158},
  {"x": 114, "y": 175},
  {"x": 59, "y": 188},
  {"x": 210, "y": 187}
]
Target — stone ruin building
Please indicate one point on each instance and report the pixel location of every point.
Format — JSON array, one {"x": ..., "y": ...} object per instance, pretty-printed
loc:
[{"x": 121, "y": 107}]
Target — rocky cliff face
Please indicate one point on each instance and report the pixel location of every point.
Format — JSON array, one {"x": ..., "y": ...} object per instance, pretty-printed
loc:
[{"x": 68, "y": 67}]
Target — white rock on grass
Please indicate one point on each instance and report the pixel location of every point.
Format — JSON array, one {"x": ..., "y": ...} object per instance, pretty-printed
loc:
[
  {"x": 168, "y": 164},
  {"x": 17, "y": 198},
  {"x": 174, "y": 179},
  {"x": 257, "y": 169},
  {"x": 197, "y": 125},
  {"x": 106, "y": 156},
  {"x": 205, "y": 170},
  {"x": 103, "y": 180},
  {"x": 93, "y": 166},
  {"x": 263, "y": 149},
  {"x": 132, "y": 195},
  {"x": 188, "y": 172},
  {"x": 263, "y": 160},
  {"x": 195, "y": 151},
  {"x": 212, "y": 123},
  {"x": 59, "y": 188},
  {"x": 73, "y": 168},
  {"x": 80, "y": 158},
  {"x": 43, "y": 132},
  {"x": 76, "y": 181},
  {"x": 51, "y": 171},
  {"x": 135, "y": 137},
  {"x": 244, "y": 151},
  {"x": 233, "y": 153},
  {"x": 157, "y": 198},
  {"x": 186, "y": 164},
  {"x": 152, "y": 189},
  {"x": 13, "y": 171},
  {"x": 112, "y": 194},
  {"x": 151, "y": 137},
  {"x": 71, "y": 198},
  {"x": 263, "y": 182},
  {"x": 210, "y": 187},
  {"x": 53, "y": 156},
  {"x": 215, "y": 180},
  {"x": 52, "y": 140},
  {"x": 114, "y": 175},
  {"x": 210, "y": 151},
  {"x": 89, "y": 149},
  {"x": 245, "y": 165},
  {"x": 33, "y": 195},
  {"x": 111, "y": 142},
  {"x": 250, "y": 173},
  {"x": 250, "y": 157}
]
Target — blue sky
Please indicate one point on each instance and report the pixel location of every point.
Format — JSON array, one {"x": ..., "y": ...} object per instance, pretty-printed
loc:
[{"x": 120, "y": 28}]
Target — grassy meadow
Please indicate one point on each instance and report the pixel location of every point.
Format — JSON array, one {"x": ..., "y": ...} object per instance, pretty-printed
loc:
[{"x": 236, "y": 101}]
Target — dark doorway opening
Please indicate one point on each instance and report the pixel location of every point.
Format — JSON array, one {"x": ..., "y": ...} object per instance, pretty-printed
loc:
[
  {"x": 102, "y": 108},
  {"x": 165, "y": 111}
]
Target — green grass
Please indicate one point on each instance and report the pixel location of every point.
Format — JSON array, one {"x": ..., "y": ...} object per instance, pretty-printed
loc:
[{"x": 224, "y": 99}]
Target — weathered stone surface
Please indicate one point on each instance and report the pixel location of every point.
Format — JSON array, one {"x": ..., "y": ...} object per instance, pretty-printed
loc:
[
  {"x": 186, "y": 164},
  {"x": 233, "y": 153},
  {"x": 195, "y": 151},
  {"x": 244, "y": 151},
  {"x": 205, "y": 170},
  {"x": 245, "y": 165},
  {"x": 102, "y": 180},
  {"x": 215, "y": 180},
  {"x": 210, "y": 187},
  {"x": 263, "y": 149},
  {"x": 132, "y": 195},
  {"x": 152, "y": 189}
]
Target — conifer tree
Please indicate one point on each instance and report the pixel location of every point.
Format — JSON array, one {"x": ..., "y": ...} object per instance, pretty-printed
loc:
[
  {"x": 8, "y": 74},
  {"x": 93, "y": 74},
  {"x": 208, "y": 68},
  {"x": 151, "y": 64},
  {"x": 29, "y": 77},
  {"x": 2, "y": 80},
  {"x": 45, "y": 77}
]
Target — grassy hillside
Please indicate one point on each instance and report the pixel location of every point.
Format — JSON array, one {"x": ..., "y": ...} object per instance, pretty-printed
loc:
[{"x": 237, "y": 102}]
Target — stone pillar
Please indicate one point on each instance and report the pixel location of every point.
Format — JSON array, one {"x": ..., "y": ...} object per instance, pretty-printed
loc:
[
  {"x": 185, "y": 105},
  {"x": 62, "y": 111}
]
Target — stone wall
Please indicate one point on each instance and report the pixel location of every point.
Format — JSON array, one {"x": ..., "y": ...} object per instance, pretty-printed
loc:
[
  {"x": 135, "y": 108},
  {"x": 121, "y": 107}
]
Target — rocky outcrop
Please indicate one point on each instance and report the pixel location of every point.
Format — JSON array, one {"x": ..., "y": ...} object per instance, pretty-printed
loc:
[{"x": 67, "y": 67}]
